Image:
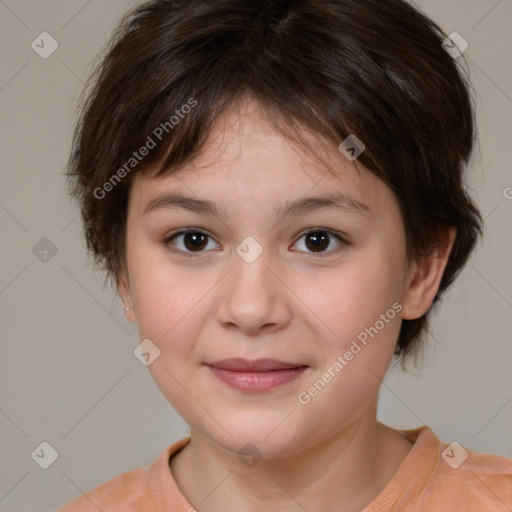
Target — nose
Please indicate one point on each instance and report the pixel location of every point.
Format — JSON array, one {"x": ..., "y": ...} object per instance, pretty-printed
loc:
[{"x": 254, "y": 297}]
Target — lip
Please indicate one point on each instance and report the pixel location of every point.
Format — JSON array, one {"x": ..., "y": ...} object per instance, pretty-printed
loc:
[
  {"x": 258, "y": 375},
  {"x": 258, "y": 365}
]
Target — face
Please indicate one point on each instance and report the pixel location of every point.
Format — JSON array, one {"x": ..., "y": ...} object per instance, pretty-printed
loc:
[{"x": 273, "y": 327}]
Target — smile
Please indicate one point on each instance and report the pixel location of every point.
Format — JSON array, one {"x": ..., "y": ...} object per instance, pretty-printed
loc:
[{"x": 260, "y": 375}]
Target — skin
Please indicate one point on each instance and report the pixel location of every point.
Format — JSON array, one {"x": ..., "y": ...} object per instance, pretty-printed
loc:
[{"x": 290, "y": 304}]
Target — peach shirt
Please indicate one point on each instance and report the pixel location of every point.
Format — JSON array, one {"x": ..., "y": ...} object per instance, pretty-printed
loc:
[{"x": 433, "y": 477}]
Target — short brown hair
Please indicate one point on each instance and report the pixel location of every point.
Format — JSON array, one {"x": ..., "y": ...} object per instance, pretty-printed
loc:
[{"x": 375, "y": 69}]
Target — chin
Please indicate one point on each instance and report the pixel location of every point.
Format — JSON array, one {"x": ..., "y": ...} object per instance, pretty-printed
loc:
[{"x": 269, "y": 435}]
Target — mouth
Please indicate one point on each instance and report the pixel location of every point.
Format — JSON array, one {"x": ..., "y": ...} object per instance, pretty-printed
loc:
[{"x": 258, "y": 375}]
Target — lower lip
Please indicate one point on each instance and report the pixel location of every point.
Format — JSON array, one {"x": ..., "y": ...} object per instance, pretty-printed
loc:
[{"x": 257, "y": 381}]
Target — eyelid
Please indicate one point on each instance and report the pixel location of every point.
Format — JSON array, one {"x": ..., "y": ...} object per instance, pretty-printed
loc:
[
  {"x": 341, "y": 237},
  {"x": 168, "y": 238},
  {"x": 187, "y": 230}
]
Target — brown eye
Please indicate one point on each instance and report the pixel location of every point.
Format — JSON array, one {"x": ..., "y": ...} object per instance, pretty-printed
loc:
[
  {"x": 194, "y": 241},
  {"x": 318, "y": 241},
  {"x": 191, "y": 241}
]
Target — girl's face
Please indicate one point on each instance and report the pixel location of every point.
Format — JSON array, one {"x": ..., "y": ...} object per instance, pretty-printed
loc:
[{"x": 248, "y": 282}]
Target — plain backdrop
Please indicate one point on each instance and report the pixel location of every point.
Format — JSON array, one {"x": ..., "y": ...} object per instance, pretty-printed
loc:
[{"x": 68, "y": 375}]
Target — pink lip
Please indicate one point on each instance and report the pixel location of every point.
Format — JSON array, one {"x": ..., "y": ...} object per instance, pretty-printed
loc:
[{"x": 259, "y": 375}]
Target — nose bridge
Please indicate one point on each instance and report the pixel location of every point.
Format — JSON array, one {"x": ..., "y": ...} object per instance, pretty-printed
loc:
[
  {"x": 251, "y": 273},
  {"x": 251, "y": 263},
  {"x": 252, "y": 295}
]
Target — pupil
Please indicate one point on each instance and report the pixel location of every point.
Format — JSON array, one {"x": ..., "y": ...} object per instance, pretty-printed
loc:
[
  {"x": 194, "y": 240},
  {"x": 318, "y": 241}
]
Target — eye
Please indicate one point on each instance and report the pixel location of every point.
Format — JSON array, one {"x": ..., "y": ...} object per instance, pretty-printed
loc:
[
  {"x": 193, "y": 241},
  {"x": 318, "y": 240}
]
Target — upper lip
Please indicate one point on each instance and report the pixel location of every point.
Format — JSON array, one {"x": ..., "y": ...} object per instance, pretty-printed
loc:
[{"x": 258, "y": 365}]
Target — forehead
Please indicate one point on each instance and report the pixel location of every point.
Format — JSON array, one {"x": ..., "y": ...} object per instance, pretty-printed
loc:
[{"x": 246, "y": 158}]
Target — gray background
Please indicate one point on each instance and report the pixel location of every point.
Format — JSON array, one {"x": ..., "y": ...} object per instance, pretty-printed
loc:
[{"x": 68, "y": 375}]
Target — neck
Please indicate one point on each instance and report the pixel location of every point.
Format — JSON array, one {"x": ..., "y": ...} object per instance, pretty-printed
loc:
[{"x": 343, "y": 473}]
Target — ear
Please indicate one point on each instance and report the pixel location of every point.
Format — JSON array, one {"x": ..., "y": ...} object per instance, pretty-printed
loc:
[
  {"x": 425, "y": 277},
  {"x": 124, "y": 290}
]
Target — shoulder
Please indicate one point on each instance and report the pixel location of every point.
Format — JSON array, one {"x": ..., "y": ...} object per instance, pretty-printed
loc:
[
  {"x": 148, "y": 488},
  {"x": 124, "y": 492},
  {"x": 468, "y": 480},
  {"x": 446, "y": 476},
  {"x": 485, "y": 478}
]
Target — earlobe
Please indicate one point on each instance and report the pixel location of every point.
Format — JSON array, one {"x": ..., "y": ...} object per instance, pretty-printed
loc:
[
  {"x": 123, "y": 289},
  {"x": 426, "y": 277}
]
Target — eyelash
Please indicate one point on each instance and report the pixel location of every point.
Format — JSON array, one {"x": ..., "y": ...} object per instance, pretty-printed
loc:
[{"x": 343, "y": 242}]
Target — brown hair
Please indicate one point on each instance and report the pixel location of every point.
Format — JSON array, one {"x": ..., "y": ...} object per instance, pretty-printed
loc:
[{"x": 339, "y": 67}]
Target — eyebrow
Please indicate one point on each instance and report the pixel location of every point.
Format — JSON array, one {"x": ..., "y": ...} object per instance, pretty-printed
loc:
[{"x": 292, "y": 207}]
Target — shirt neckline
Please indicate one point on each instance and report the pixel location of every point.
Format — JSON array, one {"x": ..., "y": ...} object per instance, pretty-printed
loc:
[{"x": 412, "y": 475}]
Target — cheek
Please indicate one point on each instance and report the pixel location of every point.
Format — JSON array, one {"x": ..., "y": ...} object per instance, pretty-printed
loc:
[
  {"x": 170, "y": 308},
  {"x": 354, "y": 361},
  {"x": 353, "y": 297},
  {"x": 167, "y": 310},
  {"x": 361, "y": 304},
  {"x": 166, "y": 299}
]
